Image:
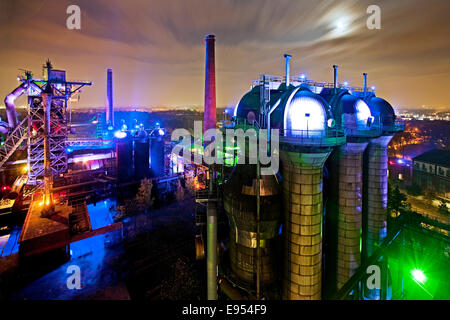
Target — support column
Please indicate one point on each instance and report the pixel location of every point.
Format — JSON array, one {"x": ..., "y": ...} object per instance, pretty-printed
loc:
[
  {"x": 302, "y": 197},
  {"x": 211, "y": 255},
  {"x": 377, "y": 187},
  {"x": 47, "y": 199},
  {"x": 350, "y": 186}
]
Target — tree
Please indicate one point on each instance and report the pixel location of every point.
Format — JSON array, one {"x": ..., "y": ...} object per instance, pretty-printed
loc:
[
  {"x": 180, "y": 193},
  {"x": 396, "y": 201},
  {"x": 144, "y": 195},
  {"x": 142, "y": 202},
  {"x": 190, "y": 184}
]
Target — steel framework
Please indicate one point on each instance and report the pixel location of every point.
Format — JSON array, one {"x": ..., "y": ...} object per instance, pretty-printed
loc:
[{"x": 62, "y": 91}]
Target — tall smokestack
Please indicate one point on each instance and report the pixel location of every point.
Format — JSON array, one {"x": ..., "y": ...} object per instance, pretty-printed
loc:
[
  {"x": 335, "y": 67},
  {"x": 210, "y": 84},
  {"x": 288, "y": 69},
  {"x": 109, "y": 94},
  {"x": 365, "y": 82}
]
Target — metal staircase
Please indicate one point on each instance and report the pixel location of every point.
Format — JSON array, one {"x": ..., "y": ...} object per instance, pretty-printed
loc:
[{"x": 13, "y": 141}]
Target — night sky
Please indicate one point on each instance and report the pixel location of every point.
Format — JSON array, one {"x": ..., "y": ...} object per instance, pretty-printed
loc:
[{"x": 156, "y": 47}]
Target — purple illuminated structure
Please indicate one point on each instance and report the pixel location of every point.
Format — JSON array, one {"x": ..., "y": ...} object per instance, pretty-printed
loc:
[
  {"x": 210, "y": 84},
  {"x": 9, "y": 103},
  {"x": 109, "y": 94}
]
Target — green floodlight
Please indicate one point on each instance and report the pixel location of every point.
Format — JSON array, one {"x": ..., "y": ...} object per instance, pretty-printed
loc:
[{"x": 418, "y": 276}]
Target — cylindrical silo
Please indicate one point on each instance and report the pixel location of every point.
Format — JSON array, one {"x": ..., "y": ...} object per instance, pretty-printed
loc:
[
  {"x": 376, "y": 162},
  {"x": 240, "y": 207},
  {"x": 377, "y": 187},
  {"x": 349, "y": 210},
  {"x": 376, "y": 180},
  {"x": 346, "y": 171},
  {"x": 141, "y": 155},
  {"x": 306, "y": 141},
  {"x": 157, "y": 154},
  {"x": 124, "y": 160},
  {"x": 302, "y": 198}
]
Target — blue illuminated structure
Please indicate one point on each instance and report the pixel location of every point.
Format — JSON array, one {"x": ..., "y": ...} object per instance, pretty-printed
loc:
[{"x": 120, "y": 134}]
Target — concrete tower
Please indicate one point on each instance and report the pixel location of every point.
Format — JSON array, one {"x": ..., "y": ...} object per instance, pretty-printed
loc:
[
  {"x": 376, "y": 159},
  {"x": 305, "y": 145},
  {"x": 210, "y": 84},
  {"x": 346, "y": 174}
]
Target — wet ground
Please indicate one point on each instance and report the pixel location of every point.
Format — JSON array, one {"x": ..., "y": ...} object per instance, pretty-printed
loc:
[{"x": 152, "y": 254}]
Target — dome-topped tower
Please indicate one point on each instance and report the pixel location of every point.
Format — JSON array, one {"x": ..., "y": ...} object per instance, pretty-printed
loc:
[
  {"x": 350, "y": 112},
  {"x": 382, "y": 110}
]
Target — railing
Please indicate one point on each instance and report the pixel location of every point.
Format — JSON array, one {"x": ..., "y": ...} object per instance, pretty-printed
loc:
[
  {"x": 325, "y": 138},
  {"x": 82, "y": 142},
  {"x": 313, "y": 83},
  {"x": 204, "y": 195},
  {"x": 364, "y": 132},
  {"x": 396, "y": 127}
]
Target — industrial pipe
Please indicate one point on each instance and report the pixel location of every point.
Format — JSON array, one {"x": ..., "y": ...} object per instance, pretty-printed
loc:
[
  {"x": 230, "y": 291},
  {"x": 288, "y": 69},
  {"x": 9, "y": 103},
  {"x": 47, "y": 200},
  {"x": 365, "y": 83},
  {"x": 335, "y": 67},
  {"x": 211, "y": 255}
]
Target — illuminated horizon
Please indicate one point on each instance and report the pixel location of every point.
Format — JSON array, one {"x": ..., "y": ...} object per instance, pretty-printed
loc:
[{"x": 156, "y": 49}]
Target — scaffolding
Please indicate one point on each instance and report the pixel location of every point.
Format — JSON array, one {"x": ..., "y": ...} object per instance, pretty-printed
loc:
[{"x": 62, "y": 91}]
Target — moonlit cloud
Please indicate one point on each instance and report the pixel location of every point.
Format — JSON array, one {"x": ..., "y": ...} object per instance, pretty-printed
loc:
[{"x": 157, "y": 52}]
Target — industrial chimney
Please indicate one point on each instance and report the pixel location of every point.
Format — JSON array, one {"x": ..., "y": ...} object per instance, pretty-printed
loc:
[
  {"x": 365, "y": 83},
  {"x": 335, "y": 67},
  {"x": 210, "y": 84},
  {"x": 288, "y": 69},
  {"x": 109, "y": 94}
]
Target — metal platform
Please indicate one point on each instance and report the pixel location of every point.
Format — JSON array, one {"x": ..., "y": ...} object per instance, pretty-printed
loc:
[
  {"x": 69, "y": 224},
  {"x": 44, "y": 234}
]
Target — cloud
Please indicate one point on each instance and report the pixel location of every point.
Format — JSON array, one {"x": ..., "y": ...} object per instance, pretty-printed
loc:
[{"x": 157, "y": 52}]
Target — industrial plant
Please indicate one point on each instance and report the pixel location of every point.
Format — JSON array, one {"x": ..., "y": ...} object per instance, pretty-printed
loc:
[{"x": 311, "y": 230}]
